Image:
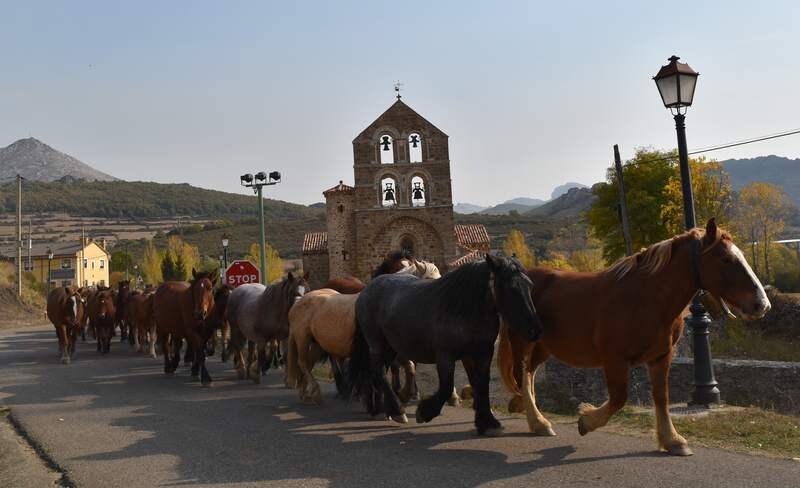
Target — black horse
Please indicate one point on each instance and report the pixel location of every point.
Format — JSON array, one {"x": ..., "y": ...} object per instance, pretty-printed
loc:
[{"x": 439, "y": 322}]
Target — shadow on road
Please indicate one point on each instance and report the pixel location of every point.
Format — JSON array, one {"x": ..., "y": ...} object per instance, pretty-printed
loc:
[{"x": 125, "y": 408}]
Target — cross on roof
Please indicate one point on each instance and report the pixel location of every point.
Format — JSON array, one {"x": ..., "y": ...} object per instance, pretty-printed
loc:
[{"x": 397, "y": 88}]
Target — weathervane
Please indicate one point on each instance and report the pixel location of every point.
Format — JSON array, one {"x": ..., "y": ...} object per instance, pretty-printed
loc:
[{"x": 397, "y": 88}]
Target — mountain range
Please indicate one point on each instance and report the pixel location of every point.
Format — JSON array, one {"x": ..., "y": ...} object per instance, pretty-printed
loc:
[
  {"x": 777, "y": 170},
  {"x": 34, "y": 160}
]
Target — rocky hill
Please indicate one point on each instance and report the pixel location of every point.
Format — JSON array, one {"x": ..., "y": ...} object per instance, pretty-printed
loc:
[
  {"x": 36, "y": 161},
  {"x": 571, "y": 204},
  {"x": 777, "y": 170}
]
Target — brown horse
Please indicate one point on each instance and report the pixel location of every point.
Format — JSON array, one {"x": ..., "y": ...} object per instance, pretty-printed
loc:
[
  {"x": 65, "y": 309},
  {"x": 627, "y": 315},
  {"x": 346, "y": 286},
  {"x": 141, "y": 321},
  {"x": 180, "y": 310},
  {"x": 102, "y": 315},
  {"x": 121, "y": 314}
]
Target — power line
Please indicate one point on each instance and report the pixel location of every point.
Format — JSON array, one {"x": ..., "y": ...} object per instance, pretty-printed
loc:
[{"x": 721, "y": 146}]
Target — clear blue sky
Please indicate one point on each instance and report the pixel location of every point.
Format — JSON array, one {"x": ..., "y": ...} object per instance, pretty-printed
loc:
[{"x": 531, "y": 94}]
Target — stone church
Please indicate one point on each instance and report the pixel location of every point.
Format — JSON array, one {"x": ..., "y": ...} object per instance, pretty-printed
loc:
[{"x": 401, "y": 199}]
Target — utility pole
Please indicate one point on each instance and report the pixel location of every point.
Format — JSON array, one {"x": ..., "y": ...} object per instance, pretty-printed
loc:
[
  {"x": 257, "y": 182},
  {"x": 19, "y": 235},
  {"x": 623, "y": 206}
]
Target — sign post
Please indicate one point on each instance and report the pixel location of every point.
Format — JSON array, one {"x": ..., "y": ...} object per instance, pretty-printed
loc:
[{"x": 241, "y": 273}]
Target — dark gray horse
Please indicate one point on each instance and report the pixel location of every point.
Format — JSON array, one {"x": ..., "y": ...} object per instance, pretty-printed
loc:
[
  {"x": 260, "y": 314},
  {"x": 439, "y": 322}
]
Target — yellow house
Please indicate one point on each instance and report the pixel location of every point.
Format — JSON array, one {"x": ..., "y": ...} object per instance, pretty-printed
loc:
[{"x": 71, "y": 264}]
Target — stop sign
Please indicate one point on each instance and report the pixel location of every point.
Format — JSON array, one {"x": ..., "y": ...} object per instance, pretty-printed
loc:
[{"x": 241, "y": 273}]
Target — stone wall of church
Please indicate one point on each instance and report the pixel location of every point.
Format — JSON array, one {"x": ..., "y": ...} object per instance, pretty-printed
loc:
[
  {"x": 383, "y": 230},
  {"x": 317, "y": 265},
  {"x": 341, "y": 234}
]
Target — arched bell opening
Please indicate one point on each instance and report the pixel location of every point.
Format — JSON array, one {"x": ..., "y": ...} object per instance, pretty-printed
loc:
[
  {"x": 386, "y": 149},
  {"x": 414, "y": 148},
  {"x": 388, "y": 192},
  {"x": 407, "y": 244},
  {"x": 419, "y": 192}
]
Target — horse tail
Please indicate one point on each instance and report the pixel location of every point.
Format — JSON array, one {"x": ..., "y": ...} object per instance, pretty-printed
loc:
[
  {"x": 360, "y": 375},
  {"x": 506, "y": 361}
]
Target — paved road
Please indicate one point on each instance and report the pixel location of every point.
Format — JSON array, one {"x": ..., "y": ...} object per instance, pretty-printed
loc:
[{"x": 118, "y": 421}]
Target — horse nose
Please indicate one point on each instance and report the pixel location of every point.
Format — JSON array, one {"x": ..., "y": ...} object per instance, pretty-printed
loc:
[{"x": 763, "y": 306}]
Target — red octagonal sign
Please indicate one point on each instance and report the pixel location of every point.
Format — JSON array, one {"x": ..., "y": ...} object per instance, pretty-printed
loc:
[{"x": 242, "y": 273}]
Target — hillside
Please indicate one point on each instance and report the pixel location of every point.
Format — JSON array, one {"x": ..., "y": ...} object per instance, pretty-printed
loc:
[
  {"x": 571, "y": 204},
  {"x": 467, "y": 208},
  {"x": 777, "y": 170},
  {"x": 143, "y": 200},
  {"x": 36, "y": 161}
]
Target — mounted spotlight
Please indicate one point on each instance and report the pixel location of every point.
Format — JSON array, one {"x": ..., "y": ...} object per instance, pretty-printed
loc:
[
  {"x": 246, "y": 179},
  {"x": 257, "y": 183},
  {"x": 261, "y": 176},
  {"x": 275, "y": 176}
]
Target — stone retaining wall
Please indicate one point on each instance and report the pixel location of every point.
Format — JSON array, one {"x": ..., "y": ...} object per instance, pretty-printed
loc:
[{"x": 768, "y": 384}]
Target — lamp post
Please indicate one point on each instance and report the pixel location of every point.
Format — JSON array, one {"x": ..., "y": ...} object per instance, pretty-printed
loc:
[
  {"x": 49, "y": 261},
  {"x": 225, "y": 241},
  {"x": 676, "y": 83},
  {"x": 257, "y": 182}
]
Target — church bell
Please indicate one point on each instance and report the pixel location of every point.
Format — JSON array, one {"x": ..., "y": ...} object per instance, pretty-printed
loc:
[
  {"x": 388, "y": 193},
  {"x": 385, "y": 142},
  {"x": 418, "y": 193},
  {"x": 414, "y": 140}
]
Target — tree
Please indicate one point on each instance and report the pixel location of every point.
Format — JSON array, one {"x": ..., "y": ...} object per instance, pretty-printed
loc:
[
  {"x": 713, "y": 196},
  {"x": 120, "y": 261},
  {"x": 188, "y": 254},
  {"x": 646, "y": 177},
  {"x": 760, "y": 212},
  {"x": 168, "y": 267},
  {"x": 151, "y": 264},
  {"x": 556, "y": 260},
  {"x": 515, "y": 245},
  {"x": 180, "y": 273},
  {"x": 274, "y": 262}
]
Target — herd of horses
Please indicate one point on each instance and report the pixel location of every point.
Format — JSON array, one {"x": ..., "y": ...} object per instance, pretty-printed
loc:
[{"x": 626, "y": 315}]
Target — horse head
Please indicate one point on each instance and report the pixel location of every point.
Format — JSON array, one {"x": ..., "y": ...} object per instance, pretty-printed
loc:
[
  {"x": 202, "y": 291},
  {"x": 395, "y": 261},
  {"x": 75, "y": 308},
  {"x": 725, "y": 273},
  {"x": 297, "y": 286},
  {"x": 511, "y": 288}
]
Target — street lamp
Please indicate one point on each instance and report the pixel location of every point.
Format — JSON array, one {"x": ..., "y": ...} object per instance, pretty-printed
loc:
[
  {"x": 49, "y": 261},
  {"x": 225, "y": 242},
  {"x": 257, "y": 182},
  {"x": 676, "y": 83}
]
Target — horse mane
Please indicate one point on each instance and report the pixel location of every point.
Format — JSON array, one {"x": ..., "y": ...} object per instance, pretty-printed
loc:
[
  {"x": 656, "y": 257},
  {"x": 463, "y": 292},
  {"x": 390, "y": 259}
]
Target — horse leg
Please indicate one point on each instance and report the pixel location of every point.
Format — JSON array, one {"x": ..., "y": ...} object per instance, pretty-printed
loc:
[
  {"x": 151, "y": 341},
  {"x": 63, "y": 345},
  {"x": 431, "y": 407},
  {"x": 310, "y": 390},
  {"x": 72, "y": 335},
  {"x": 478, "y": 370},
  {"x": 668, "y": 437},
  {"x": 410, "y": 384},
  {"x": 591, "y": 417},
  {"x": 226, "y": 334},
  {"x": 189, "y": 355},
  {"x": 394, "y": 370},
  {"x": 537, "y": 423},
  {"x": 197, "y": 345},
  {"x": 165, "y": 353},
  {"x": 251, "y": 352},
  {"x": 337, "y": 368},
  {"x": 391, "y": 403},
  {"x": 175, "y": 357},
  {"x": 255, "y": 360}
]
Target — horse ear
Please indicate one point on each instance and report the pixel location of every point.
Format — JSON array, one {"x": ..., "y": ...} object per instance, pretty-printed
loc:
[
  {"x": 290, "y": 276},
  {"x": 711, "y": 231},
  {"x": 194, "y": 273},
  {"x": 493, "y": 261}
]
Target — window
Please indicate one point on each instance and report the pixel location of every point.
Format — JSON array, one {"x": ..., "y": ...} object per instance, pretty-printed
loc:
[
  {"x": 388, "y": 192},
  {"x": 418, "y": 196},
  {"x": 102, "y": 263},
  {"x": 92, "y": 264},
  {"x": 414, "y": 148},
  {"x": 27, "y": 266},
  {"x": 85, "y": 263},
  {"x": 66, "y": 282},
  {"x": 386, "y": 149},
  {"x": 66, "y": 264},
  {"x": 102, "y": 283},
  {"x": 407, "y": 244},
  {"x": 85, "y": 282}
]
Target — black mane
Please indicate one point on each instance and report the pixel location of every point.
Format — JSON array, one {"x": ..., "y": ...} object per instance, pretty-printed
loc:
[{"x": 464, "y": 291}]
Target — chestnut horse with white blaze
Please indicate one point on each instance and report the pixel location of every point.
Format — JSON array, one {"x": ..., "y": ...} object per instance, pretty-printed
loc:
[
  {"x": 629, "y": 314},
  {"x": 180, "y": 310},
  {"x": 65, "y": 309}
]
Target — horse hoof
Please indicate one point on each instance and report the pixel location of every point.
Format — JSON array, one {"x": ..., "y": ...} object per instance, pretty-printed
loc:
[
  {"x": 466, "y": 392},
  {"x": 493, "y": 432},
  {"x": 418, "y": 416},
  {"x": 544, "y": 432},
  {"x": 401, "y": 419},
  {"x": 206, "y": 384},
  {"x": 65, "y": 360},
  {"x": 257, "y": 380},
  {"x": 454, "y": 402},
  {"x": 679, "y": 450},
  {"x": 582, "y": 429}
]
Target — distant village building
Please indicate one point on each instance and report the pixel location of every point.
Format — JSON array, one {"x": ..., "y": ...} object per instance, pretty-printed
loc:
[
  {"x": 402, "y": 199},
  {"x": 74, "y": 263}
]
